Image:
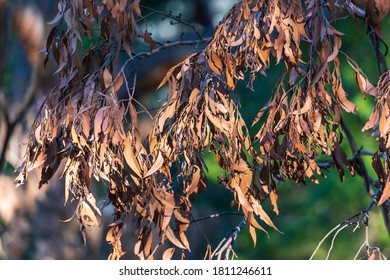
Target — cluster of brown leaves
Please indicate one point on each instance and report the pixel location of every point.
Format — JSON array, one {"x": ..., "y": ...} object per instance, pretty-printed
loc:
[
  {"x": 380, "y": 122},
  {"x": 82, "y": 121},
  {"x": 84, "y": 124},
  {"x": 302, "y": 121}
]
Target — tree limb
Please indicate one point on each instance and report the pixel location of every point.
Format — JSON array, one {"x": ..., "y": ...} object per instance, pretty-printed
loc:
[
  {"x": 20, "y": 113},
  {"x": 380, "y": 56}
]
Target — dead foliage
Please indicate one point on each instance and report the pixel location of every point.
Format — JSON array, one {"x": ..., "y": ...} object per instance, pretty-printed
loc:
[{"x": 84, "y": 124}]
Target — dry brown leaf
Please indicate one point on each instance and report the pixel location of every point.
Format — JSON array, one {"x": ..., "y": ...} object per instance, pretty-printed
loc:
[
  {"x": 274, "y": 198},
  {"x": 156, "y": 165},
  {"x": 107, "y": 77},
  {"x": 168, "y": 253},
  {"x": 130, "y": 157},
  {"x": 68, "y": 185},
  {"x": 364, "y": 85},
  {"x": 171, "y": 237},
  {"x": 344, "y": 102},
  {"x": 252, "y": 232},
  {"x": 385, "y": 193},
  {"x": 148, "y": 39},
  {"x": 258, "y": 209}
]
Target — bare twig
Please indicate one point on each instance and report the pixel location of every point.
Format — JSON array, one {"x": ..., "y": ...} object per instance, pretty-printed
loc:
[
  {"x": 333, "y": 240},
  {"x": 322, "y": 241},
  {"x": 357, "y": 220},
  {"x": 143, "y": 55},
  {"x": 330, "y": 162},
  {"x": 360, "y": 249},
  {"x": 175, "y": 18},
  {"x": 217, "y": 215},
  {"x": 226, "y": 244}
]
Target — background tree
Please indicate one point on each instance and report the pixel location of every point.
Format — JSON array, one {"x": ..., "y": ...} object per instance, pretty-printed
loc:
[{"x": 93, "y": 125}]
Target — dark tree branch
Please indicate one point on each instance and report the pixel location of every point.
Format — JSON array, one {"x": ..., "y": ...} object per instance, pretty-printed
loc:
[
  {"x": 358, "y": 163},
  {"x": 172, "y": 45},
  {"x": 380, "y": 56},
  {"x": 20, "y": 113},
  {"x": 368, "y": 181},
  {"x": 144, "y": 55},
  {"x": 175, "y": 18},
  {"x": 225, "y": 246},
  {"x": 325, "y": 164},
  {"x": 212, "y": 216},
  {"x": 382, "y": 66}
]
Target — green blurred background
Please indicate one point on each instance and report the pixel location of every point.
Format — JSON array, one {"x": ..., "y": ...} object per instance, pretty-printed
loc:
[{"x": 29, "y": 218}]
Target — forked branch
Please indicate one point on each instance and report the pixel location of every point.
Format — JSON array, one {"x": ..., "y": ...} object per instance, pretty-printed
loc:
[{"x": 356, "y": 220}]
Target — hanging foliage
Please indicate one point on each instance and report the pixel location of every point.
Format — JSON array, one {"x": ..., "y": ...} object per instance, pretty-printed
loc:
[{"x": 87, "y": 132}]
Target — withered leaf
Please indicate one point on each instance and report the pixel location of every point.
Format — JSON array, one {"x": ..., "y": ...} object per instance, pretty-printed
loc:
[
  {"x": 68, "y": 184},
  {"x": 385, "y": 193},
  {"x": 130, "y": 157},
  {"x": 364, "y": 85},
  {"x": 118, "y": 82},
  {"x": 171, "y": 237},
  {"x": 252, "y": 231},
  {"x": 215, "y": 63},
  {"x": 87, "y": 215},
  {"x": 261, "y": 112},
  {"x": 258, "y": 209},
  {"x": 372, "y": 121},
  {"x": 274, "y": 198},
  {"x": 240, "y": 195},
  {"x": 107, "y": 77},
  {"x": 148, "y": 39},
  {"x": 156, "y": 165},
  {"x": 135, "y": 7},
  {"x": 98, "y": 121},
  {"x": 238, "y": 42},
  {"x": 344, "y": 102},
  {"x": 168, "y": 253}
]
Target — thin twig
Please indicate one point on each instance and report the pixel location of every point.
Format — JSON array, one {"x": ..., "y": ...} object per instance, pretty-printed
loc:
[
  {"x": 227, "y": 242},
  {"x": 357, "y": 219},
  {"x": 143, "y": 55},
  {"x": 333, "y": 239},
  {"x": 322, "y": 241},
  {"x": 329, "y": 163},
  {"x": 360, "y": 249},
  {"x": 176, "y": 18},
  {"x": 212, "y": 216}
]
